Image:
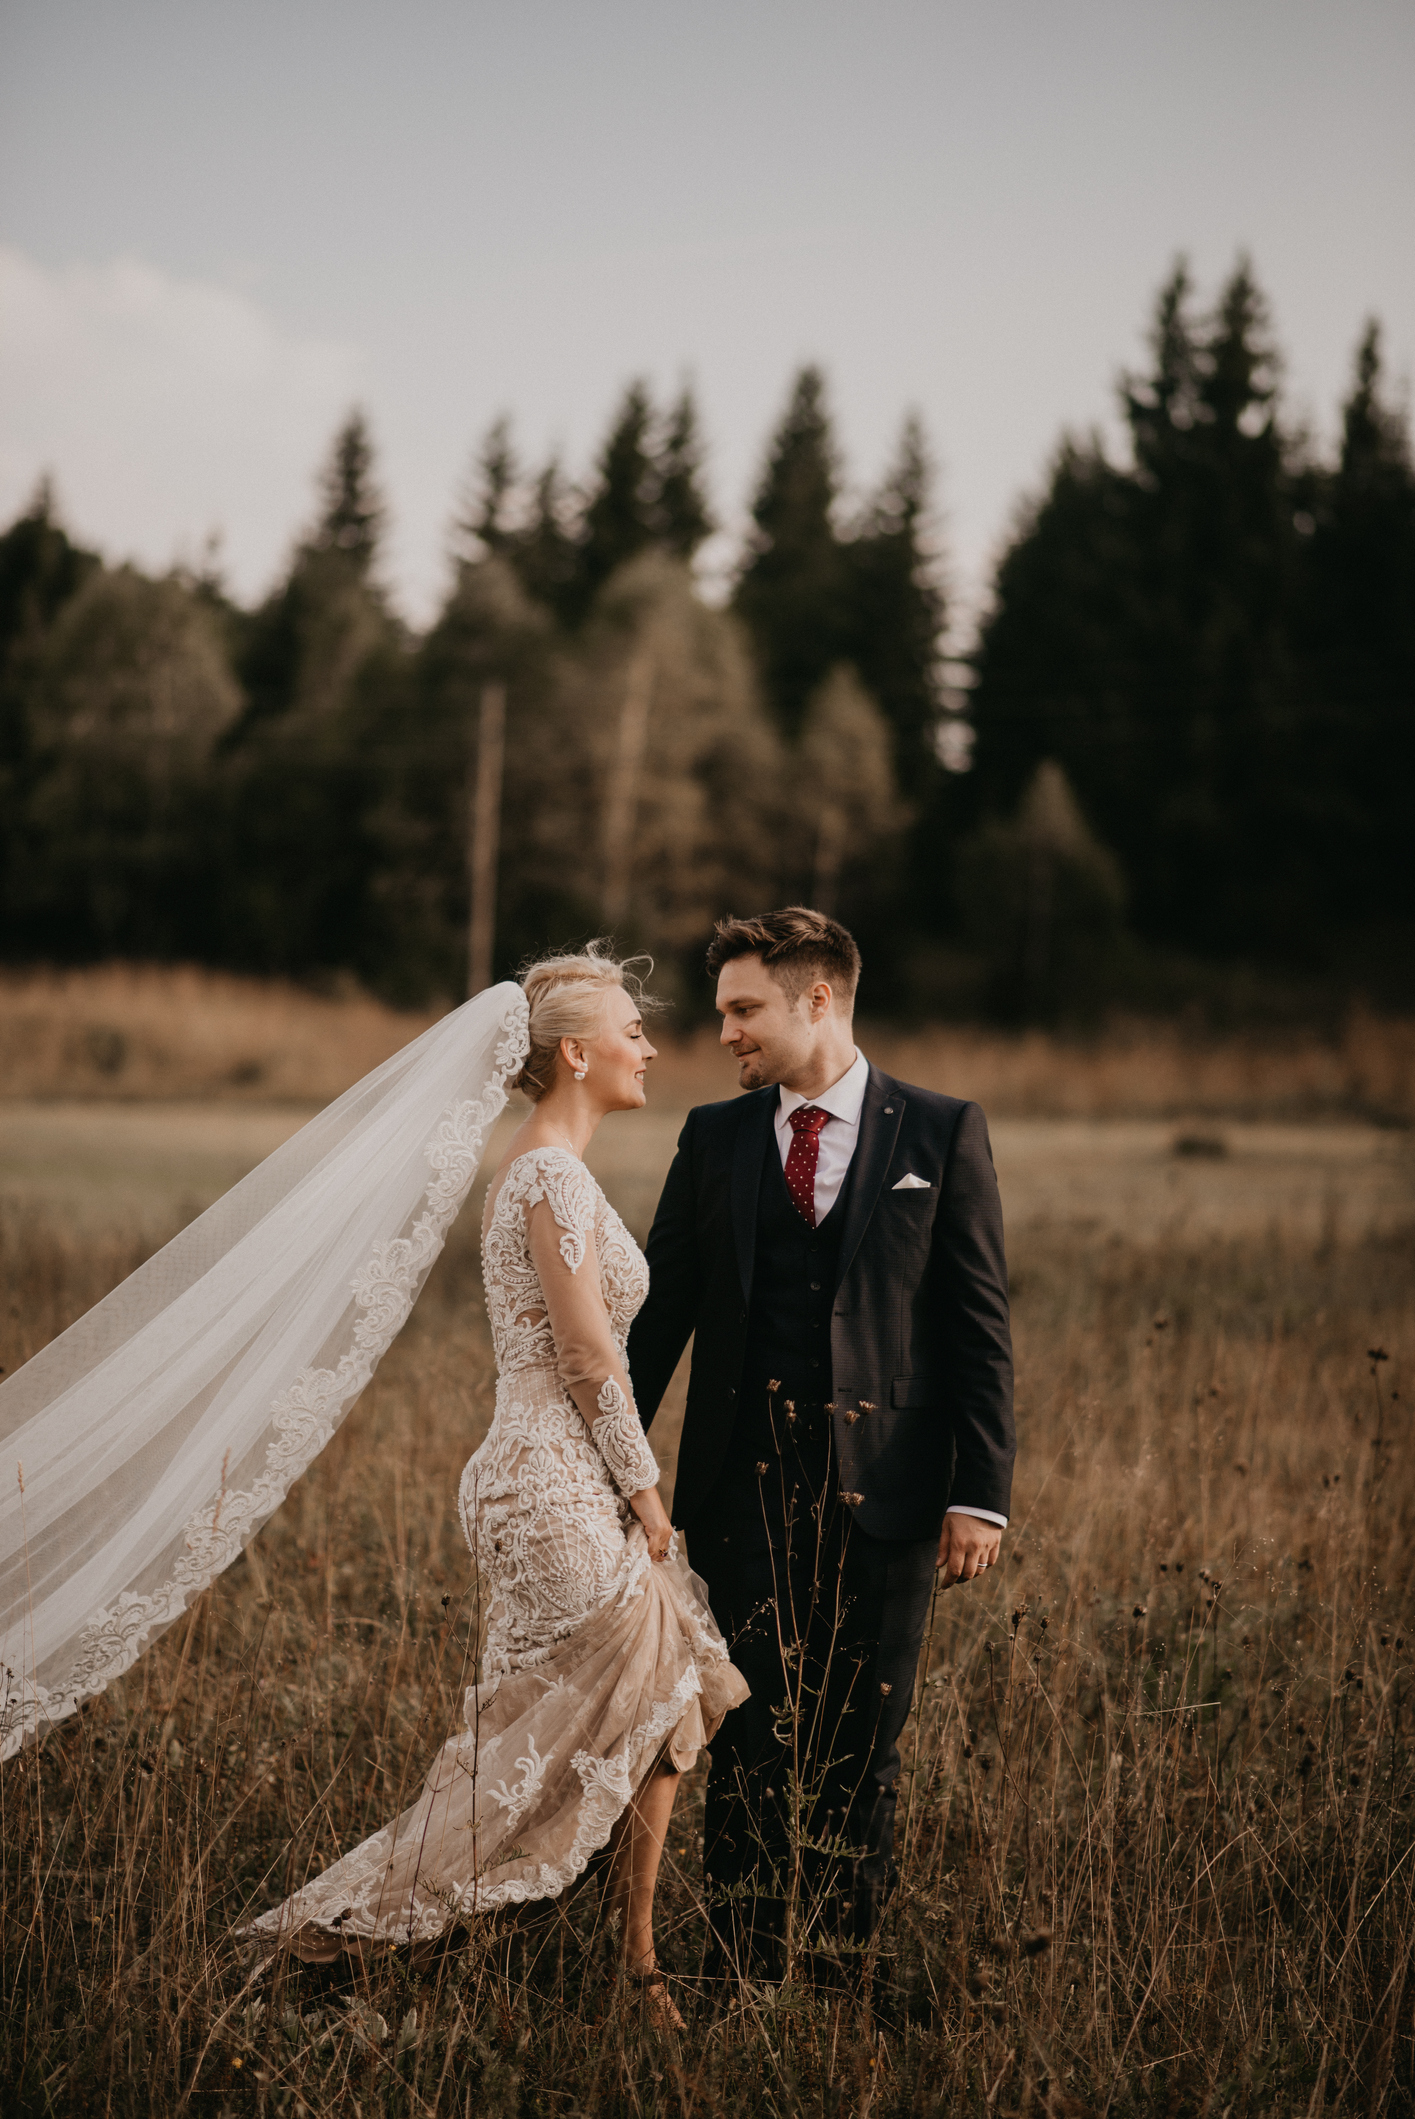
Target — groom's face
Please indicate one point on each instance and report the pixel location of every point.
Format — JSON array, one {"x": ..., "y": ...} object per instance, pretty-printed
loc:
[{"x": 770, "y": 1035}]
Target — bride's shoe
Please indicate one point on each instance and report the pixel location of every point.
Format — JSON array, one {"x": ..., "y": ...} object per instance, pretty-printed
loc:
[{"x": 659, "y": 2005}]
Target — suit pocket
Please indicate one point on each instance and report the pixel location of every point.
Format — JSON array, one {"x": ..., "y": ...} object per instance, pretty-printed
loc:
[{"x": 915, "y": 1391}]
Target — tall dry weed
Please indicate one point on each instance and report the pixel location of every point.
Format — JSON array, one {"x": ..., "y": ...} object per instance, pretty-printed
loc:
[{"x": 1157, "y": 1849}]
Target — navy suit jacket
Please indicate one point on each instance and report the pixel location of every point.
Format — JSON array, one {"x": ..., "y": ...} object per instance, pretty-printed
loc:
[{"x": 920, "y": 1346}]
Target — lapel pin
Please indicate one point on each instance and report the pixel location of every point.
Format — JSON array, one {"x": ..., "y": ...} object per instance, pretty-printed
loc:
[{"x": 889, "y": 1110}]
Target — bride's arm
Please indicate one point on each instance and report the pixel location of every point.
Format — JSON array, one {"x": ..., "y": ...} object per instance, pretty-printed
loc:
[{"x": 590, "y": 1367}]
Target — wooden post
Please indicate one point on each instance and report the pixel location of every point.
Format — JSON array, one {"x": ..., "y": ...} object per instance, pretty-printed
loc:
[
  {"x": 622, "y": 793},
  {"x": 484, "y": 836}
]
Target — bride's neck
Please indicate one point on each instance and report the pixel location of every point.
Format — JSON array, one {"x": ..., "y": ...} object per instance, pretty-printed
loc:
[{"x": 567, "y": 1121}]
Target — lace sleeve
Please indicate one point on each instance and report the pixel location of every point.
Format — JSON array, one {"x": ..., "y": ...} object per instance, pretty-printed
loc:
[
  {"x": 586, "y": 1355},
  {"x": 567, "y": 1188},
  {"x": 622, "y": 1442}
]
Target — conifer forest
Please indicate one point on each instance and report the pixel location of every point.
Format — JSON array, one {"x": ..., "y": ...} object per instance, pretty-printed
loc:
[{"x": 1174, "y": 766}]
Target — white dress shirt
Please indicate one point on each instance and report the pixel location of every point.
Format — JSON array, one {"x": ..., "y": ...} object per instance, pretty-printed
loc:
[{"x": 844, "y": 1101}]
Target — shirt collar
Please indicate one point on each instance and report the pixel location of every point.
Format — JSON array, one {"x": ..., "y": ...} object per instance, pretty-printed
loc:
[{"x": 843, "y": 1099}]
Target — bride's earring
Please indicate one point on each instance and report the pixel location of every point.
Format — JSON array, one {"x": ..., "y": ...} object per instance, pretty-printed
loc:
[{"x": 579, "y": 1074}]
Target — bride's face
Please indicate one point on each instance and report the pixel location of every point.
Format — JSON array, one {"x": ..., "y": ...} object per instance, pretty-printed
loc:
[{"x": 616, "y": 1059}]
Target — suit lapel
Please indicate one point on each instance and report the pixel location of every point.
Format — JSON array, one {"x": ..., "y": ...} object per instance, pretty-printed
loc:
[
  {"x": 881, "y": 1116},
  {"x": 753, "y": 1135}
]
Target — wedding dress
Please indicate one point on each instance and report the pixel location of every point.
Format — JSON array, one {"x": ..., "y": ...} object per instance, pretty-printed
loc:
[{"x": 598, "y": 1661}]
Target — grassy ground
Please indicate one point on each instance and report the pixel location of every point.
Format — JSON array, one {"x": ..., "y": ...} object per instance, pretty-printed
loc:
[{"x": 1159, "y": 1853}]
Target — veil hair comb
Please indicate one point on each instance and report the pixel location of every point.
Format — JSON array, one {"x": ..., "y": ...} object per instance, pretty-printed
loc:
[{"x": 142, "y": 1450}]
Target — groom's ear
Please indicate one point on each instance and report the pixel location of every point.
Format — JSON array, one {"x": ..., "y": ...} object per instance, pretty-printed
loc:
[{"x": 819, "y": 999}]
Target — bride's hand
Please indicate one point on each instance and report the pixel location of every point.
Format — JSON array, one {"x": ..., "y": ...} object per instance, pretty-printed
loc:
[{"x": 654, "y": 1517}]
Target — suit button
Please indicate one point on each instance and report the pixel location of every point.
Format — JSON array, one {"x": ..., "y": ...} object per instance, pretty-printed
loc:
[
  {"x": 815, "y": 1287},
  {"x": 814, "y": 1362}
]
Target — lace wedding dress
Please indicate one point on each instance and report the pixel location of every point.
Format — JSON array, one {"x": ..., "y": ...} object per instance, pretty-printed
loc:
[{"x": 598, "y": 1660}]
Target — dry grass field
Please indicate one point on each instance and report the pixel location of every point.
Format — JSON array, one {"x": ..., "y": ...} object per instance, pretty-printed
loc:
[
  {"x": 1159, "y": 1848},
  {"x": 123, "y": 1033}
]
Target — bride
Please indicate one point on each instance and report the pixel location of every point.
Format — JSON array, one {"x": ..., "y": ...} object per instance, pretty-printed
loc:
[
  {"x": 604, "y": 1672},
  {"x": 143, "y": 1449}
]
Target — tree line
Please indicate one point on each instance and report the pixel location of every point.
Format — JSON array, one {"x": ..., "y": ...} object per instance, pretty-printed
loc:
[{"x": 1189, "y": 707}]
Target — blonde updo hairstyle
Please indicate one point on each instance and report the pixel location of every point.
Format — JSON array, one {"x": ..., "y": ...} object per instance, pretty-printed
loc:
[{"x": 566, "y": 997}]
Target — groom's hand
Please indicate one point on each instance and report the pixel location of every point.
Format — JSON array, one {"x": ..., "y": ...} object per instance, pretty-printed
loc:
[{"x": 967, "y": 1546}]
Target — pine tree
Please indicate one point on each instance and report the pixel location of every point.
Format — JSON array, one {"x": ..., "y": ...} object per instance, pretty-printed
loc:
[
  {"x": 1055, "y": 666},
  {"x": 620, "y": 520},
  {"x": 897, "y": 608},
  {"x": 530, "y": 528},
  {"x": 305, "y": 647},
  {"x": 41, "y": 571},
  {"x": 1362, "y": 549},
  {"x": 352, "y": 517},
  {"x": 1358, "y": 628},
  {"x": 681, "y": 514},
  {"x": 546, "y": 554},
  {"x": 793, "y": 590},
  {"x": 1164, "y": 405},
  {"x": 482, "y": 523},
  {"x": 1217, "y": 550},
  {"x": 324, "y": 668}
]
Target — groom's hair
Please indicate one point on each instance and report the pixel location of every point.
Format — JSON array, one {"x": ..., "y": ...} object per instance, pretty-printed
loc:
[{"x": 797, "y": 946}]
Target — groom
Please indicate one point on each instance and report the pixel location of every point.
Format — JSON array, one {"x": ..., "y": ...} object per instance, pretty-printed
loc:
[{"x": 833, "y": 1243}]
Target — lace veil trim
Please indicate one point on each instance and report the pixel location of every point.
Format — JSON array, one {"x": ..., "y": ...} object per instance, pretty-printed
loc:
[{"x": 116, "y": 1442}]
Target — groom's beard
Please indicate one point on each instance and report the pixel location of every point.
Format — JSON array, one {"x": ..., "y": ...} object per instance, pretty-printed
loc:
[{"x": 756, "y": 1071}]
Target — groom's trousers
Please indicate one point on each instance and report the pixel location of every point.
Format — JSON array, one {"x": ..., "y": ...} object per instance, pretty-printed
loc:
[{"x": 825, "y": 1623}]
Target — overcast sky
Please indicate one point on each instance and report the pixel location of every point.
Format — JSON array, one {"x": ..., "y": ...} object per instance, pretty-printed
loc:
[{"x": 223, "y": 223}]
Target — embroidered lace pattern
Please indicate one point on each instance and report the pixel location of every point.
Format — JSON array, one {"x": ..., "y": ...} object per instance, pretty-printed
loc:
[
  {"x": 538, "y": 1502},
  {"x": 619, "y": 1437},
  {"x": 597, "y": 1659}
]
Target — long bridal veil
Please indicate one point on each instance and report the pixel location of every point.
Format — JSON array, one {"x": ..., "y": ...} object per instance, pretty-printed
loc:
[{"x": 144, "y": 1448}]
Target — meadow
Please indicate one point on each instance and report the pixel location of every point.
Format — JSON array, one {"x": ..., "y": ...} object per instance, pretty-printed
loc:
[{"x": 1158, "y": 1849}]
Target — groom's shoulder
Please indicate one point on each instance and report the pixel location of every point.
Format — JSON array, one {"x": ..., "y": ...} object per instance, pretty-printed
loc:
[
  {"x": 721, "y": 1121},
  {"x": 931, "y": 1105}
]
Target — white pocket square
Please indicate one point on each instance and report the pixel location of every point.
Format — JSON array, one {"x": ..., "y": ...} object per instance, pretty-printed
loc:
[{"x": 912, "y": 1184}]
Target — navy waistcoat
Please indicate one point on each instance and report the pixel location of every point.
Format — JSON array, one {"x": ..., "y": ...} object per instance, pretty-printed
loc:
[{"x": 794, "y": 1277}]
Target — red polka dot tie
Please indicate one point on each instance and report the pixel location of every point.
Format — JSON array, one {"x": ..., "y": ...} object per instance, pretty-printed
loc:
[{"x": 805, "y": 1124}]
